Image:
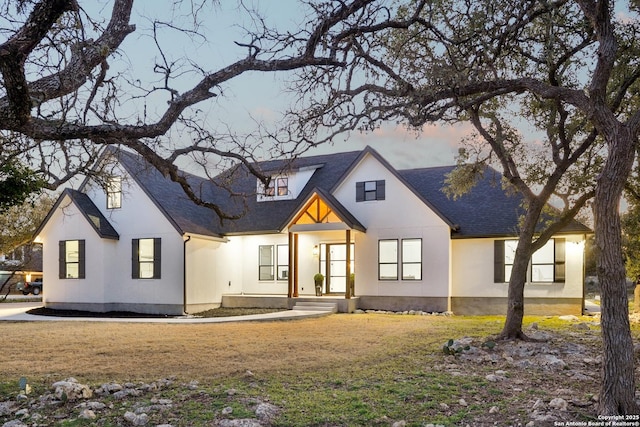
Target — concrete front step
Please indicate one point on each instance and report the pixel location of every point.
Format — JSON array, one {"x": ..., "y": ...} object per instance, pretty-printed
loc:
[{"x": 316, "y": 306}]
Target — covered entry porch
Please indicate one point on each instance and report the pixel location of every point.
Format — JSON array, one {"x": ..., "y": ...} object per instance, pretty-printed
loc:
[{"x": 332, "y": 229}]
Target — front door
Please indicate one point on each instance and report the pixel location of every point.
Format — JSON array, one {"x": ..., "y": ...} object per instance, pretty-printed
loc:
[{"x": 333, "y": 264}]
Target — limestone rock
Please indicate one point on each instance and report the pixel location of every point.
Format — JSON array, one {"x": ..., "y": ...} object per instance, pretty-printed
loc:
[
  {"x": 135, "y": 419},
  {"x": 244, "y": 422},
  {"x": 558, "y": 403},
  {"x": 266, "y": 412},
  {"x": 581, "y": 326},
  {"x": 71, "y": 389},
  {"x": 554, "y": 362},
  {"x": 6, "y": 407},
  {"x": 538, "y": 405},
  {"x": 14, "y": 423},
  {"x": 22, "y": 413},
  {"x": 87, "y": 414}
]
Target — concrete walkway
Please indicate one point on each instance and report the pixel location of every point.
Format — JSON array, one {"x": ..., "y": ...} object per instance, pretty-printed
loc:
[
  {"x": 17, "y": 312},
  {"x": 591, "y": 308}
]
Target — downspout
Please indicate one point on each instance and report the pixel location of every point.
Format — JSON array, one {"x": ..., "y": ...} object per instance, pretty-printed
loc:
[{"x": 184, "y": 275}]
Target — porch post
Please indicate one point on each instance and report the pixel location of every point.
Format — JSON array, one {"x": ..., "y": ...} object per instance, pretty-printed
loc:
[
  {"x": 291, "y": 269},
  {"x": 295, "y": 263},
  {"x": 347, "y": 293}
]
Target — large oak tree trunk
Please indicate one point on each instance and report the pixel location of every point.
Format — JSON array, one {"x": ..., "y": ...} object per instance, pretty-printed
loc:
[
  {"x": 617, "y": 393},
  {"x": 515, "y": 297},
  {"x": 515, "y": 301}
]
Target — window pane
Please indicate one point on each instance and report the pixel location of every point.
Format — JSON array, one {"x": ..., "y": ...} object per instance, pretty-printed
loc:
[
  {"x": 338, "y": 252},
  {"x": 270, "y": 190},
  {"x": 370, "y": 186},
  {"x": 544, "y": 255},
  {"x": 266, "y": 265},
  {"x": 266, "y": 272},
  {"x": 542, "y": 273},
  {"x": 283, "y": 254},
  {"x": 283, "y": 272},
  {"x": 283, "y": 262},
  {"x": 114, "y": 185},
  {"x": 507, "y": 272},
  {"x": 388, "y": 271},
  {"x": 145, "y": 251},
  {"x": 146, "y": 270},
  {"x": 72, "y": 251},
  {"x": 412, "y": 271},
  {"x": 411, "y": 250},
  {"x": 388, "y": 251},
  {"x": 72, "y": 271},
  {"x": 114, "y": 192},
  {"x": 283, "y": 186},
  {"x": 510, "y": 251},
  {"x": 266, "y": 255}
]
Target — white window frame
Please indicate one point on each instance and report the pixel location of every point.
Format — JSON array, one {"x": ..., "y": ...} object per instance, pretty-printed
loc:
[
  {"x": 282, "y": 257},
  {"x": 114, "y": 192},
  {"x": 268, "y": 267}
]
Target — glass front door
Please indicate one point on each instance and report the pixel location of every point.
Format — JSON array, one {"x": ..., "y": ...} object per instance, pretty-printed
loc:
[{"x": 333, "y": 264}]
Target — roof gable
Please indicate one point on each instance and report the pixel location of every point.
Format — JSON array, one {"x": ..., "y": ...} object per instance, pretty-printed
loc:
[
  {"x": 89, "y": 211},
  {"x": 368, "y": 151},
  {"x": 170, "y": 199},
  {"x": 322, "y": 208}
]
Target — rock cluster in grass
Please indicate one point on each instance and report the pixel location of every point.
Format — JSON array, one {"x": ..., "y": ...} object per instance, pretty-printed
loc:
[
  {"x": 126, "y": 404},
  {"x": 549, "y": 356},
  {"x": 406, "y": 313}
]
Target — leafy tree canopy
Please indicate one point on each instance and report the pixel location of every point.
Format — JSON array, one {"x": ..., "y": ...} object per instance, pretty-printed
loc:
[{"x": 17, "y": 183}]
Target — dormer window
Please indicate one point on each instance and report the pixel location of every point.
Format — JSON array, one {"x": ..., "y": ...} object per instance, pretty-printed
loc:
[
  {"x": 114, "y": 192},
  {"x": 278, "y": 189},
  {"x": 283, "y": 186}
]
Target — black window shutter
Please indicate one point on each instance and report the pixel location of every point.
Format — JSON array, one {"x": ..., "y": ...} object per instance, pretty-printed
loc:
[
  {"x": 156, "y": 258},
  {"x": 380, "y": 190},
  {"x": 498, "y": 261},
  {"x": 559, "y": 273},
  {"x": 359, "y": 191},
  {"x": 62, "y": 259},
  {"x": 81, "y": 259},
  {"x": 135, "y": 265}
]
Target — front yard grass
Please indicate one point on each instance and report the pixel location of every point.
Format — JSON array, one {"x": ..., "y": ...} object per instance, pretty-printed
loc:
[{"x": 339, "y": 370}]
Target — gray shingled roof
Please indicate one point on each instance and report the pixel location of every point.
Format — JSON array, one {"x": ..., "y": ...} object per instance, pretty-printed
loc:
[
  {"x": 486, "y": 211},
  {"x": 272, "y": 216},
  {"x": 168, "y": 196},
  {"x": 88, "y": 209}
]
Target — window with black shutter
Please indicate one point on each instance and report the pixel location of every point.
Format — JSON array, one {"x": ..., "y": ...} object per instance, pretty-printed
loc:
[
  {"x": 146, "y": 258},
  {"x": 71, "y": 259},
  {"x": 370, "y": 190}
]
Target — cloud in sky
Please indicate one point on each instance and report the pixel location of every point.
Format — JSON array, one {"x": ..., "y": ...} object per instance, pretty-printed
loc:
[{"x": 435, "y": 145}]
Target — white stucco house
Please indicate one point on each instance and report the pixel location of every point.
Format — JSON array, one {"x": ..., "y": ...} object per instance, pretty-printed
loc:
[{"x": 137, "y": 243}]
